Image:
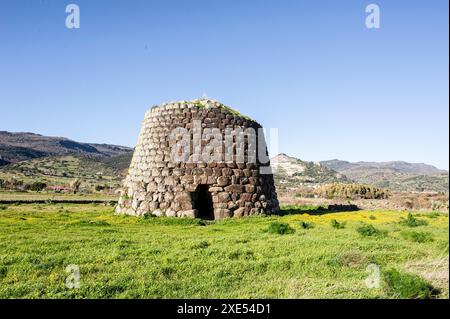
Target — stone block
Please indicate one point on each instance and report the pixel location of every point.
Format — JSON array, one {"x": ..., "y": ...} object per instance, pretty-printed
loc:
[{"x": 234, "y": 188}]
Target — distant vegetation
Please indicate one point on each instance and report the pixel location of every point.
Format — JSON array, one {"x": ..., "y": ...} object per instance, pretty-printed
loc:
[
  {"x": 58, "y": 174},
  {"x": 15, "y": 184},
  {"x": 396, "y": 176},
  {"x": 352, "y": 191},
  {"x": 119, "y": 163},
  {"x": 48, "y": 165}
]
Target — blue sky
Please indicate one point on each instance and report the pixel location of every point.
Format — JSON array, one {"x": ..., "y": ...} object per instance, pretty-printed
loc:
[{"x": 332, "y": 87}]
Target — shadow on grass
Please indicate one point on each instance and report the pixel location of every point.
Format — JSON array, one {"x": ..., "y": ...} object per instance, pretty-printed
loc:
[{"x": 316, "y": 210}]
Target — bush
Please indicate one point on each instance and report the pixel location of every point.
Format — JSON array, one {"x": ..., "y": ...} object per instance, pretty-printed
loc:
[
  {"x": 432, "y": 215},
  {"x": 335, "y": 224},
  {"x": 167, "y": 271},
  {"x": 280, "y": 228},
  {"x": 301, "y": 209},
  {"x": 417, "y": 237},
  {"x": 3, "y": 271},
  {"x": 201, "y": 245},
  {"x": 370, "y": 231},
  {"x": 352, "y": 191},
  {"x": 408, "y": 286},
  {"x": 91, "y": 223},
  {"x": 411, "y": 221},
  {"x": 306, "y": 225},
  {"x": 37, "y": 186},
  {"x": 99, "y": 188},
  {"x": 241, "y": 254},
  {"x": 13, "y": 184},
  {"x": 169, "y": 221}
]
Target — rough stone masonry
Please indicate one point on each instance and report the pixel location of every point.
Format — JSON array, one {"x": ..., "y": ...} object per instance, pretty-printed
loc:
[{"x": 172, "y": 174}]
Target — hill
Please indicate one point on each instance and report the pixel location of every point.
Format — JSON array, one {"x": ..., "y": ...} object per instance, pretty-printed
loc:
[
  {"x": 16, "y": 147},
  {"x": 396, "y": 175},
  {"x": 119, "y": 163},
  {"x": 292, "y": 172},
  {"x": 397, "y": 166},
  {"x": 62, "y": 170}
]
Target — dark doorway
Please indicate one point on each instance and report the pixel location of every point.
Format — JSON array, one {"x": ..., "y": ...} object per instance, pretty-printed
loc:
[{"x": 202, "y": 202}]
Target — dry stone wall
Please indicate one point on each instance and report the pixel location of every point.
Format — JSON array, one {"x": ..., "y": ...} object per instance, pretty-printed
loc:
[{"x": 158, "y": 184}]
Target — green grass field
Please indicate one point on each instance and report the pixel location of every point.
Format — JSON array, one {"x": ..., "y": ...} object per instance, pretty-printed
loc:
[
  {"x": 129, "y": 257},
  {"x": 48, "y": 196}
]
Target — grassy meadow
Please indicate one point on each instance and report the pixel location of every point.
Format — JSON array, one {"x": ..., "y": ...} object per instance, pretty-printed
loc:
[
  {"x": 305, "y": 253},
  {"x": 29, "y": 197}
]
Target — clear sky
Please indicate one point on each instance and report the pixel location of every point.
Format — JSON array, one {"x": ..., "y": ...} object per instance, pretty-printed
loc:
[{"x": 312, "y": 69}]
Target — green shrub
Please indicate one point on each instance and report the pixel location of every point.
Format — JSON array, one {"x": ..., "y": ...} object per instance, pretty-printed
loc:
[
  {"x": 370, "y": 231},
  {"x": 352, "y": 191},
  {"x": 169, "y": 221},
  {"x": 280, "y": 228},
  {"x": 239, "y": 254},
  {"x": 334, "y": 262},
  {"x": 91, "y": 223},
  {"x": 99, "y": 188},
  {"x": 201, "y": 245},
  {"x": 408, "y": 286},
  {"x": 36, "y": 186},
  {"x": 417, "y": 237},
  {"x": 371, "y": 217},
  {"x": 432, "y": 215},
  {"x": 306, "y": 225},
  {"x": 338, "y": 225},
  {"x": 411, "y": 221},
  {"x": 301, "y": 209},
  {"x": 167, "y": 271},
  {"x": 3, "y": 271}
]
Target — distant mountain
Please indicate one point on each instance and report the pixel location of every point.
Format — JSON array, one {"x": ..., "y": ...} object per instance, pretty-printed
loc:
[
  {"x": 396, "y": 175},
  {"x": 397, "y": 166},
  {"x": 291, "y": 172},
  {"x": 16, "y": 147}
]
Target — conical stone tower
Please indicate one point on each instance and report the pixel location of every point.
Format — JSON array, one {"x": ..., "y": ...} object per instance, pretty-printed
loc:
[{"x": 199, "y": 159}]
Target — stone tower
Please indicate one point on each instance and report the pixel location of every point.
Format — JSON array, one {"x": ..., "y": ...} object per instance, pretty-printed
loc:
[{"x": 199, "y": 159}]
